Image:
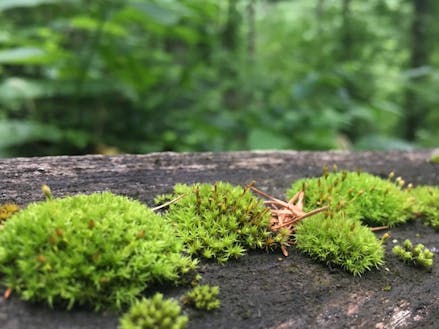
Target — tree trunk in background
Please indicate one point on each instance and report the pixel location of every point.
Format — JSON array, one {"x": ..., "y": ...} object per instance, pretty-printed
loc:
[
  {"x": 415, "y": 107},
  {"x": 251, "y": 34},
  {"x": 231, "y": 28},
  {"x": 346, "y": 33}
]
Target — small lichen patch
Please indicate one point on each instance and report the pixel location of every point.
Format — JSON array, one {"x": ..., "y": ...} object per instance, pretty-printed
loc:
[{"x": 99, "y": 250}]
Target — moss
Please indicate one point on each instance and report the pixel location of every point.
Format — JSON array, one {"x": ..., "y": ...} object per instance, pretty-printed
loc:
[
  {"x": 417, "y": 255},
  {"x": 371, "y": 199},
  {"x": 435, "y": 158},
  {"x": 7, "y": 210},
  {"x": 427, "y": 204},
  {"x": 99, "y": 250},
  {"x": 203, "y": 297},
  {"x": 340, "y": 241},
  {"x": 219, "y": 221},
  {"x": 154, "y": 313}
]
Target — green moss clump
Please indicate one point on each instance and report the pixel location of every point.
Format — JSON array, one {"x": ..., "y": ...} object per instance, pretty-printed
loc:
[
  {"x": 219, "y": 221},
  {"x": 417, "y": 255},
  {"x": 99, "y": 250},
  {"x": 340, "y": 241},
  {"x": 427, "y": 204},
  {"x": 203, "y": 297},
  {"x": 7, "y": 210},
  {"x": 371, "y": 199},
  {"x": 154, "y": 313},
  {"x": 435, "y": 158}
]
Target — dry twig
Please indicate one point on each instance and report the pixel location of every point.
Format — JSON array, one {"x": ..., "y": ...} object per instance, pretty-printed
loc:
[{"x": 286, "y": 214}]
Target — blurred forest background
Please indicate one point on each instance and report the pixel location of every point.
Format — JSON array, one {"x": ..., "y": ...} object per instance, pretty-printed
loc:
[{"x": 137, "y": 76}]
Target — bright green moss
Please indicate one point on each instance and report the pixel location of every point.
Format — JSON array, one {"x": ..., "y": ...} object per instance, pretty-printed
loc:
[
  {"x": 417, "y": 255},
  {"x": 435, "y": 158},
  {"x": 340, "y": 241},
  {"x": 99, "y": 250},
  {"x": 373, "y": 200},
  {"x": 154, "y": 313},
  {"x": 427, "y": 204},
  {"x": 203, "y": 297},
  {"x": 219, "y": 221}
]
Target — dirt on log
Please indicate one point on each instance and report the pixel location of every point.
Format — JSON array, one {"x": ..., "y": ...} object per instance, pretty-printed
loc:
[{"x": 262, "y": 289}]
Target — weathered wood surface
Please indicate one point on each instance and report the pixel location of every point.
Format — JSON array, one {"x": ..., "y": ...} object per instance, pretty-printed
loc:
[
  {"x": 143, "y": 176},
  {"x": 262, "y": 290}
]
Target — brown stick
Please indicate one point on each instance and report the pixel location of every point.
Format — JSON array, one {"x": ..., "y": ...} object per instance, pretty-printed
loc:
[{"x": 379, "y": 228}]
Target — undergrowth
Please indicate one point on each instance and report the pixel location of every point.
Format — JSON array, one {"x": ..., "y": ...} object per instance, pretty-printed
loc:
[
  {"x": 218, "y": 221},
  {"x": 99, "y": 250}
]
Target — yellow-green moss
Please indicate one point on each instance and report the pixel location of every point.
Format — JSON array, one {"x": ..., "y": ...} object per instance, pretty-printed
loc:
[
  {"x": 219, "y": 221},
  {"x": 203, "y": 297},
  {"x": 426, "y": 205},
  {"x": 99, "y": 250},
  {"x": 154, "y": 313},
  {"x": 435, "y": 158},
  {"x": 371, "y": 199},
  {"x": 417, "y": 255},
  {"x": 341, "y": 241}
]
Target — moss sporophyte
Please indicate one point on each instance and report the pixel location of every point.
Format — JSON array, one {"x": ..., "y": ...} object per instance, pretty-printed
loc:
[{"x": 101, "y": 250}]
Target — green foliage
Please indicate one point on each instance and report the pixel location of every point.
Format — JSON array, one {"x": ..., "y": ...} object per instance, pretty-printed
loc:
[
  {"x": 341, "y": 241},
  {"x": 218, "y": 221},
  {"x": 435, "y": 159},
  {"x": 417, "y": 255},
  {"x": 99, "y": 250},
  {"x": 371, "y": 199},
  {"x": 154, "y": 313},
  {"x": 193, "y": 75},
  {"x": 203, "y": 297},
  {"x": 427, "y": 204}
]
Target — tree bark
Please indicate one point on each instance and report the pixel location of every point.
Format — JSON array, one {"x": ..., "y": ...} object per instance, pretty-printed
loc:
[{"x": 420, "y": 50}]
